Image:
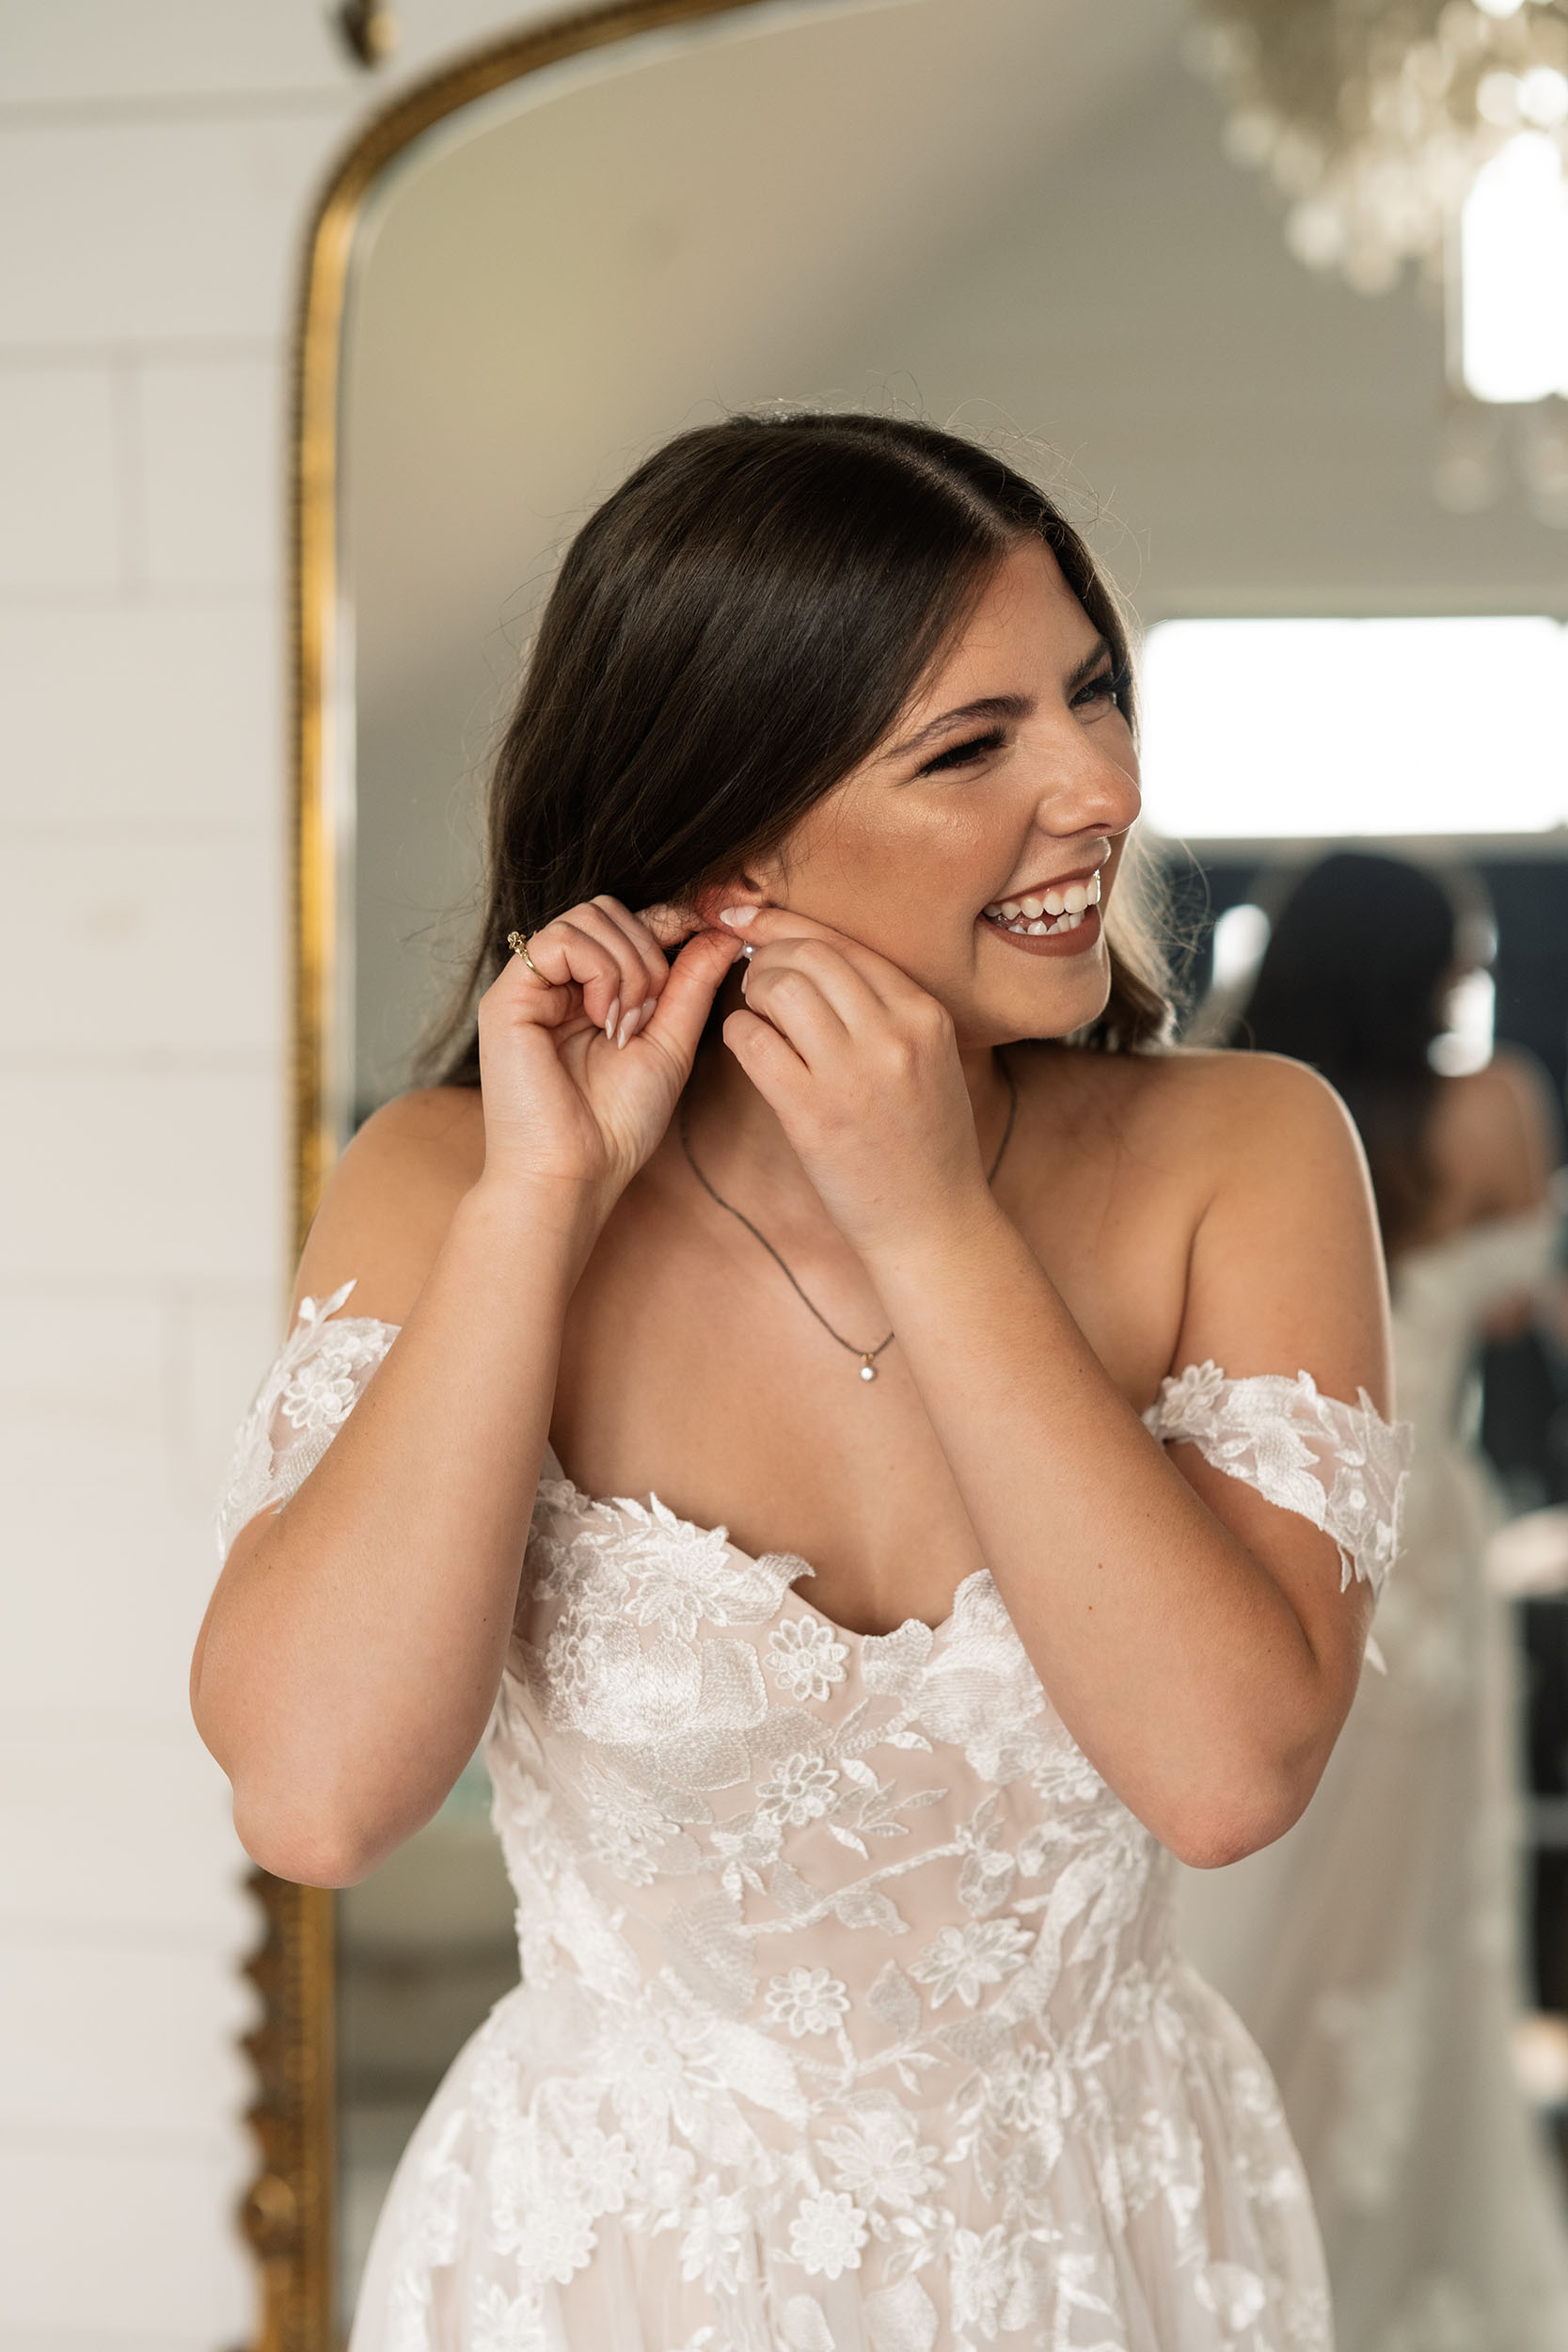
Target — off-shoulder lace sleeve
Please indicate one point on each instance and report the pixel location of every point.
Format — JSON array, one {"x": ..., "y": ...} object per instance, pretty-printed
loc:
[
  {"x": 321, "y": 1371},
  {"x": 1342, "y": 1466}
]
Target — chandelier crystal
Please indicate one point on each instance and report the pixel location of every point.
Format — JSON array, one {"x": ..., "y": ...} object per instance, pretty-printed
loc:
[{"x": 1374, "y": 118}]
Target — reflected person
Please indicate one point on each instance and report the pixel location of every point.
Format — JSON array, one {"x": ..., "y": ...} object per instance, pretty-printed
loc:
[{"x": 1375, "y": 1950}]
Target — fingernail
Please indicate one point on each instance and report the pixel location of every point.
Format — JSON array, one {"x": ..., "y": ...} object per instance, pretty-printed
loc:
[
  {"x": 613, "y": 1016},
  {"x": 737, "y": 917},
  {"x": 628, "y": 1027},
  {"x": 648, "y": 1012}
]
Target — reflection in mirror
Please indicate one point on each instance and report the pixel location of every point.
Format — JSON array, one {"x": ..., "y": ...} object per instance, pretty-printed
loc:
[{"x": 1008, "y": 215}]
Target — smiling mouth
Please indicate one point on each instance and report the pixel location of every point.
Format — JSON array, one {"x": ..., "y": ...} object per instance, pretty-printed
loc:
[{"x": 1046, "y": 913}]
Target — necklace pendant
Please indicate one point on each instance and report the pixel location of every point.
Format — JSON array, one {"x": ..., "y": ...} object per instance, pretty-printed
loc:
[{"x": 868, "y": 1370}]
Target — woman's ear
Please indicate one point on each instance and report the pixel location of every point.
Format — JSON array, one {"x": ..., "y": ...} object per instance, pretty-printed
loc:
[{"x": 745, "y": 890}]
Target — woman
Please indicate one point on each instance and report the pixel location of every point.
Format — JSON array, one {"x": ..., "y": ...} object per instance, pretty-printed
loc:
[
  {"x": 848, "y": 2014},
  {"x": 1374, "y": 1951}
]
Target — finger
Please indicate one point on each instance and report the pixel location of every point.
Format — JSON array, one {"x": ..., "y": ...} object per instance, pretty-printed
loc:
[
  {"x": 766, "y": 1057},
  {"x": 771, "y": 926},
  {"x": 788, "y": 977},
  {"x": 789, "y": 998},
  {"x": 653, "y": 969},
  {"x": 677, "y": 1019},
  {"x": 634, "y": 978},
  {"x": 567, "y": 954}
]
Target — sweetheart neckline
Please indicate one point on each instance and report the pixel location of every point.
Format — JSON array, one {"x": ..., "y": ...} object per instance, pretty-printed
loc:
[{"x": 692, "y": 1530}]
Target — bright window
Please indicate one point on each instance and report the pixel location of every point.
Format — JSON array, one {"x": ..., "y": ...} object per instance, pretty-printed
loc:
[
  {"x": 1258, "y": 730},
  {"x": 1513, "y": 248}
]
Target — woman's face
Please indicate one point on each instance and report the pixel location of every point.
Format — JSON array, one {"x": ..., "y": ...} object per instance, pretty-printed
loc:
[{"x": 972, "y": 846}]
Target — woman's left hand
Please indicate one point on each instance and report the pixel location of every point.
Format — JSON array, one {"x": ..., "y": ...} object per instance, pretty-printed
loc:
[{"x": 862, "y": 1068}]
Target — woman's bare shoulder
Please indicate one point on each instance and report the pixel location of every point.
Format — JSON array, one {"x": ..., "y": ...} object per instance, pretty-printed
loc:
[
  {"x": 390, "y": 1199},
  {"x": 1210, "y": 1104}
]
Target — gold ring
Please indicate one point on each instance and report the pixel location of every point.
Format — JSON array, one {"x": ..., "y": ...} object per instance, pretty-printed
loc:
[{"x": 518, "y": 945}]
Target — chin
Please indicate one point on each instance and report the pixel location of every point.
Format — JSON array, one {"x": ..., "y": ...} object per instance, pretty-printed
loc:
[{"x": 1053, "y": 1007}]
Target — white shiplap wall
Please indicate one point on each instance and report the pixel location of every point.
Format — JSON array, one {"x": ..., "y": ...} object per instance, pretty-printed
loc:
[{"x": 157, "y": 161}]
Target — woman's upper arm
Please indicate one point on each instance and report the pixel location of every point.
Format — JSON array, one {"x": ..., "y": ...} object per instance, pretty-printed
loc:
[
  {"x": 1286, "y": 1277},
  {"x": 391, "y": 1200},
  {"x": 1285, "y": 1273}
]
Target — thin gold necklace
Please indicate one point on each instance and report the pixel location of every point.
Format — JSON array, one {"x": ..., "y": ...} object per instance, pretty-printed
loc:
[{"x": 867, "y": 1355}]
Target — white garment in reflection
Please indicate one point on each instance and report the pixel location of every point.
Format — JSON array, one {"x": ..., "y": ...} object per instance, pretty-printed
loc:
[
  {"x": 850, "y": 2019},
  {"x": 1374, "y": 1951}
]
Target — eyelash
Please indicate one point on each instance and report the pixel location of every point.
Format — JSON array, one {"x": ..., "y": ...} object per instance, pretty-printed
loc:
[
  {"x": 960, "y": 755},
  {"x": 1105, "y": 686},
  {"x": 1104, "y": 683}
]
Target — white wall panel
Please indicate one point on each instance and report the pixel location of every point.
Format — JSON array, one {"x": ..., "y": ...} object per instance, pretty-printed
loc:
[
  {"x": 147, "y": 1172},
  {"x": 209, "y": 435},
  {"x": 172, "y": 945},
  {"x": 60, "y": 489},
  {"x": 125, "y": 2241},
  {"x": 106, "y": 1612},
  {"x": 84, "y": 1390},
  {"x": 66, "y": 2065},
  {"x": 153, "y": 232},
  {"x": 150, "y": 716},
  {"x": 72, "y": 53},
  {"x": 119, "y": 1829}
]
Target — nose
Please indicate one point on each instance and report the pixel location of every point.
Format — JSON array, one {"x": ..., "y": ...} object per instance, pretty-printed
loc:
[{"x": 1088, "y": 780}]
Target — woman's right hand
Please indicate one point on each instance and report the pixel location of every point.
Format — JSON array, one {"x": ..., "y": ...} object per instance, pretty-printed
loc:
[{"x": 582, "y": 1061}]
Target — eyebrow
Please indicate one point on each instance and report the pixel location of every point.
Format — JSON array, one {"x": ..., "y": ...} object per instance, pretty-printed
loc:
[{"x": 1000, "y": 705}]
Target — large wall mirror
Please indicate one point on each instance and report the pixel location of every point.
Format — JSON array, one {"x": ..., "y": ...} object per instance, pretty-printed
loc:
[{"x": 1011, "y": 214}]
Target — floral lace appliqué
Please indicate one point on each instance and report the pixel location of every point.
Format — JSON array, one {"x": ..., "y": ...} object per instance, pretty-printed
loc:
[
  {"x": 1342, "y": 1467},
  {"x": 321, "y": 1371}
]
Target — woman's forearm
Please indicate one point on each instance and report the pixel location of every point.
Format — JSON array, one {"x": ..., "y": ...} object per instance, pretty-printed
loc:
[
  {"x": 355, "y": 1641},
  {"x": 1174, "y": 1659}
]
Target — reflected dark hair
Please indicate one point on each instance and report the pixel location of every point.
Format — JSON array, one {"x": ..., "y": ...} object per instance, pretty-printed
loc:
[
  {"x": 731, "y": 633},
  {"x": 1352, "y": 982}
]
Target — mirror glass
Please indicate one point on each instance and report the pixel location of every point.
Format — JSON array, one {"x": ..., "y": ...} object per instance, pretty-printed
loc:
[{"x": 1012, "y": 216}]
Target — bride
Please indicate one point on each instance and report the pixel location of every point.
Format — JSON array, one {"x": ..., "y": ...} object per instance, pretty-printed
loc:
[{"x": 871, "y": 1436}]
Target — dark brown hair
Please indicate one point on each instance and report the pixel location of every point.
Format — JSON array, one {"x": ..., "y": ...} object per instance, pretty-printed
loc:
[
  {"x": 731, "y": 633},
  {"x": 1352, "y": 982}
]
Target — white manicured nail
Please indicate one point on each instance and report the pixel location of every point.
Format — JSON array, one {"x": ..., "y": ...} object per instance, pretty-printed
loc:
[
  {"x": 628, "y": 1027},
  {"x": 737, "y": 917},
  {"x": 613, "y": 1016}
]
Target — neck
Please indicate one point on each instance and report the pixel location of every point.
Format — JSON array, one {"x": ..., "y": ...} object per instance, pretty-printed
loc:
[{"x": 736, "y": 1135}]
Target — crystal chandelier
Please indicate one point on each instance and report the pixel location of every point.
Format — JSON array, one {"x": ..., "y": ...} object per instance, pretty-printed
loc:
[{"x": 1374, "y": 118}]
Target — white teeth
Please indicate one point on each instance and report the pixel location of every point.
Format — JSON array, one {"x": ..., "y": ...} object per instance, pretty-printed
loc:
[
  {"x": 1033, "y": 908},
  {"x": 1075, "y": 898},
  {"x": 1053, "y": 902},
  {"x": 1010, "y": 910},
  {"x": 1038, "y": 930},
  {"x": 1094, "y": 890}
]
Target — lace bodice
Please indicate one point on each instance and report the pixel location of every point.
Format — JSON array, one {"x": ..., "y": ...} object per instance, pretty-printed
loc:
[{"x": 853, "y": 1966}]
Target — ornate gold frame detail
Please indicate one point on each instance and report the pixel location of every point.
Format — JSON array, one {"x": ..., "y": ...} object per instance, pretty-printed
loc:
[{"x": 288, "y": 2214}]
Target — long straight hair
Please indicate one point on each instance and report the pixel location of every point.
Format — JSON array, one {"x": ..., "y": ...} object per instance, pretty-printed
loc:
[
  {"x": 1352, "y": 982},
  {"x": 731, "y": 633}
]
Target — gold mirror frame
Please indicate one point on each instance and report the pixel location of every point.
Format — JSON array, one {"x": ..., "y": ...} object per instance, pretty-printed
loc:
[{"x": 288, "y": 2214}]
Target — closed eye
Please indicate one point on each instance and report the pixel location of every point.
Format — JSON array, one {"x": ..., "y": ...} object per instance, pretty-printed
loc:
[{"x": 962, "y": 755}]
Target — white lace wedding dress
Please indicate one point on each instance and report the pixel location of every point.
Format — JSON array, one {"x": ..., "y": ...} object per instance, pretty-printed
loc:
[
  {"x": 1374, "y": 1951},
  {"x": 849, "y": 2017}
]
